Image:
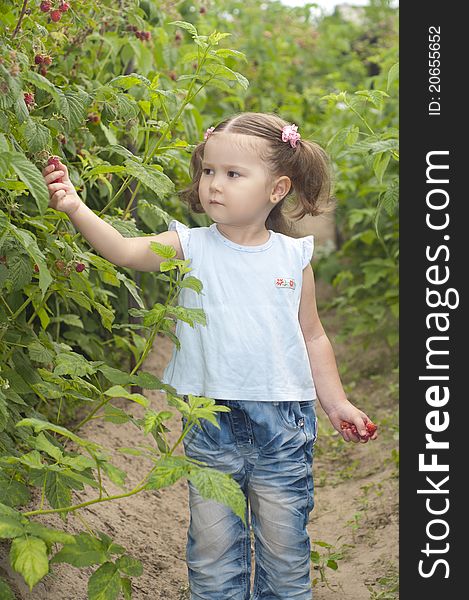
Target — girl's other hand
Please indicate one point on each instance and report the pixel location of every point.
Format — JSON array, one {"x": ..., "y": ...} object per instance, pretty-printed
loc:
[
  {"x": 348, "y": 412},
  {"x": 62, "y": 193}
]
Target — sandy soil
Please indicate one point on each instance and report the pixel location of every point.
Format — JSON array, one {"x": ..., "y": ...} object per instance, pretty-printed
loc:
[{"x": 355, "y": 503}]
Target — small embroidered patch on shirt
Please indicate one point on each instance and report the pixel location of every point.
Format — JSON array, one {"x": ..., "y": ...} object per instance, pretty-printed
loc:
[{"x": 285, "y": 282}]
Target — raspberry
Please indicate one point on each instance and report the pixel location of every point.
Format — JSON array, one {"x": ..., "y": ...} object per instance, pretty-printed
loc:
[
  {"x": 47, "y": 60},
  {"x": 202, "y": 10},
  {"x": 370, "y": 429},
  {"x": 54, "y": 160},
  {"x": 29, "y": 99},
  {"x": 147, "y": 35},
  {"x": 45, "y": 6},
  {"x": 38, "y": 59},
  {"x": 56, "y": 15},
  {"x": 60, "y": 265},
  {"x": 64, "y": 7},
  {"x": 80, "y": 267},
  {"x": 173, "y": 75},
  {"x": 43, "y": 71},
  {"x": 178, "y": 37}
]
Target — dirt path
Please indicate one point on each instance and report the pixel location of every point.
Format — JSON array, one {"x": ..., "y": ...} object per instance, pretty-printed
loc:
[{"x": 355, "y": 498}]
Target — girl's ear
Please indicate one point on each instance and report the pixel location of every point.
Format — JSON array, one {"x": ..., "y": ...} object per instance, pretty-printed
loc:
[{"x": 281, "y": 188}]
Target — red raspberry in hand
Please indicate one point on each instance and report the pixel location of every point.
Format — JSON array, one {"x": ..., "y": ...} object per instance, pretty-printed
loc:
[
  {"x": 370, "y": 429},
  {"x": 45, "y": 6},
  {"x": 56, "y": 15},
  {"x": 54, "y": 160}
]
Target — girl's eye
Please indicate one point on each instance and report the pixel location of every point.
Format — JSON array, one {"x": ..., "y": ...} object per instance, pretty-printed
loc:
[{"x": 208, "y": 169}]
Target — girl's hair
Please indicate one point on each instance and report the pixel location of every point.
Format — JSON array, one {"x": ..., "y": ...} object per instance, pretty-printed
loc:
[{"x": 307, "y": 165}]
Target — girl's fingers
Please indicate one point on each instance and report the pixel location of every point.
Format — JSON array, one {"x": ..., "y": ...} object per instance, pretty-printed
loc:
[{"x": 53, "y": 176}]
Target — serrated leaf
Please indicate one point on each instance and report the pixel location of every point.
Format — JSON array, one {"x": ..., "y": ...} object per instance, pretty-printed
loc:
[
  {"x": 128, "y": 81},
  {"x": 87, "y": 550},
  {"x": 188, "y": 315},
  {"x": 36, "y": 135},
  {"x": 39, "y": 353},
  {"x": 30, "y": 175},
  {"x": 10, "y": 527},
  {"x": 49, "y": 535},
  {"x": 117, "y": 391},
  {"x": 42, "y": 443},
  {"x": 129, "y": 565},
  {"x": 40, "y": 425},
  {"x": 104, "y": 584},
  {"x": 167, "y": 471},
  {"x": 185, "y": 25},
  {"x": 115, "y": 414},
  {"x": 28, "y": 556},
  {"x": 221, "y": 487},
  {"x": 152, "y": 178},
  {"x": 74, "y": 364}
]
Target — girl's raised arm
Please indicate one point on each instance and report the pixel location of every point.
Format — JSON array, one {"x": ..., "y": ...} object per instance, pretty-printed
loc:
[{"x": 133, "y": 253}]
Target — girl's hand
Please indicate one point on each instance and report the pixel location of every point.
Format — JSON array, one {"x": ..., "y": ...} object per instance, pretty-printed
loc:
[
  {"x": 346, "y": 411},
  {"x": 62, "y": 193}
]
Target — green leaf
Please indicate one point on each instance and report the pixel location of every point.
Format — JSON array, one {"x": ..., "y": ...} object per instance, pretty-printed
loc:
[
  {"x": 6, "y": 592},
  {"x": 104, "y": 584},
  {"x": 380, "y": 164},
  {"x": 163, "y": 250},
  {"x": 189, "y": 315},
  {"x": 28, "y": 556},
  {"x": 130, "y": 80},
  {"x": 116, "y": 415},
  {"x": 129, "y": 565},
  {"x": 30, "y": 175},
  {"x": 36, "y": 135},
  {"x": 154, "y": 315},
  {"x": 185, "y": 25},
  {"x": 58, "y": 491},
  {"x": 167, "y": 471},
  {"x": 126, "y": 588},
  {"x": 221, "y": 487},
  {"x": 315, "y": 557},
  {"x": 42, "y": 443},
  {"x": 85, "y": 551},
  {"x": 49, "y": 535},
  {"x": 393, "y": 74},
  {"x": 72, "y": 363},
  {"x": 322, "y": 544},
  {"x": 116, "y": 475},
  {"x": 151, "y": 177},
  {"x": 10, "y": 527},
  {"x": 332, "y": 564},
  {"x": 117, "y": 391},
  {"x": 40, "y": 425}
]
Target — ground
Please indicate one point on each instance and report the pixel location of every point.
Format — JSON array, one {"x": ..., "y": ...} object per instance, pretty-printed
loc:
[{"x": 356, "y": 497}]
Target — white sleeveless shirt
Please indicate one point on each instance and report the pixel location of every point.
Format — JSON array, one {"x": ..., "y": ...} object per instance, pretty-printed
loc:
[{"x": 252, "y": 347}]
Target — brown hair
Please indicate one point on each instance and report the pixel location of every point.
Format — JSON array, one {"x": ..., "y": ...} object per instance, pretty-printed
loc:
[{"x": 307, "y": 165}]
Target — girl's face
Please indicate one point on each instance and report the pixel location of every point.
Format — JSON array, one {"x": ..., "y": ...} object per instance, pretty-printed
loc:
[{"x": 237, "y": 180}]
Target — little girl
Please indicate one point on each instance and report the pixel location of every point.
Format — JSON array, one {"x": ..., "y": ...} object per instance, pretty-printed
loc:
[{"x": 263, "y": 351}]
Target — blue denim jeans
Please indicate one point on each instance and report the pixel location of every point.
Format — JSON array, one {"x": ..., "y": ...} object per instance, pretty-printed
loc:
[{"x": 268, "y": 449}]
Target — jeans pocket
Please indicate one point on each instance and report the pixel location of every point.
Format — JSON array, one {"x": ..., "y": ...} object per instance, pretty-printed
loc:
[
  {"x": 289, "y": 413},
  {"x": 309, "y": 420}
]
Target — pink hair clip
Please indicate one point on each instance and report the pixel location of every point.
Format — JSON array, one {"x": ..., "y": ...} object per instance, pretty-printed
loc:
[
  {"x": 289, "y": 134},
  {"x": 208, "y": 133}
]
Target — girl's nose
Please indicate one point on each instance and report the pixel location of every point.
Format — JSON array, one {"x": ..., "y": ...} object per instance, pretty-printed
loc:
[{"x": 215, "y": 184}]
